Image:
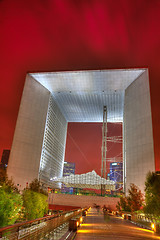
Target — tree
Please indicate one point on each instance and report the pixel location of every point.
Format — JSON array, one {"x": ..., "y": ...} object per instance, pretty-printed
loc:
[
  {"x": 3, "y": 175},
  {"x": 152, "y": 194},
  {"x": 133, "y": 202},
  {"x": 135, "y": 198},
  {"x": 36, "y": 187},
  {"x": 123, "y": 205},
  {"x": 10, "y": 200},
  {"x": 34, "y": 201},
  {"x": 9, "y": 184},
  {"x": 35, "y": 204},
  {"x": 10, "y": 205}
]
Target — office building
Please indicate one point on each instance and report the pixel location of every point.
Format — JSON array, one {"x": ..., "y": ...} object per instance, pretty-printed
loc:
[
  {"x": 116, "y": 174},
  {"x": 68, "y": 169},
  {"x": 5, "y": 158},
  {"x": 50, "y": 100}
]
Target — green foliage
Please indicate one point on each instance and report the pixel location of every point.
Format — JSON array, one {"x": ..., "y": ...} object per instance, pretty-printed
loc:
[
  {"x": 35, "y": 204},
  {"x": 10, "y": 200},
  {"x": 14, "y": 206},
  {"x": 36, "y": 187},
  {"x": 135, "y": 198},
  {"x": 3, "y": 175},
  {"x": 123, "y": 205},
  {"x": 8, "y": 183},
  {"x": 10, "y": 205},
  {"x": 133, "y": 202},
  {"x": 152, "y": 194}
]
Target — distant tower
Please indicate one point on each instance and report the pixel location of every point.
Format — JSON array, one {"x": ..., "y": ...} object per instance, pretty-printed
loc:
[
  {"x": 5, "y": 158},
  {"x": 116, "y": 174},
  {"x": 68, "y": 169}
]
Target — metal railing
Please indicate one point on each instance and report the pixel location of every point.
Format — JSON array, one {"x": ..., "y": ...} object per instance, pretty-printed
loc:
[{"x": 40, "y": 228}]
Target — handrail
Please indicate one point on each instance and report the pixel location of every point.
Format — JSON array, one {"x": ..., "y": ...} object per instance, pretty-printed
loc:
[
  {"x": 30, "y": 221},
  {"x": 46, "y": 219}
]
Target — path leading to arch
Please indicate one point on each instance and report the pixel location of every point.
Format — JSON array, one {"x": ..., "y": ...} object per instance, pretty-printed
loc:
[{"x": 96, "y": 226}]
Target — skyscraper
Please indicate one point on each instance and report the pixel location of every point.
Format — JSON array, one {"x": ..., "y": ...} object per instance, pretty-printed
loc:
[
  {"x": 116, "y": 173},
  {"x": 5, "y": 158},
  {"x": 68, "y": 169}
]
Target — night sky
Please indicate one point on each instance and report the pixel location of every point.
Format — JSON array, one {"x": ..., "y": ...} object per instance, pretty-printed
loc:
[
  {"x": 84, "y": 142},
  {"x": 55, "y": 35}
]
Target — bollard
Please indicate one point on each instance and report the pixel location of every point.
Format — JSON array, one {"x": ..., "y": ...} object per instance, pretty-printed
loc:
[
  {"x": 84, "y": 213},
  {"x": 155, "y": 227},
  {"x": 124, "y": 216},
  {"x": 73, "y": 224}
]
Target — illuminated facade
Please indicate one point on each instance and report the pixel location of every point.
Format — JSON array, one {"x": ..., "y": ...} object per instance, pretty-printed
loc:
[
  {"x": 68, "y": 169},
  {"x": 116, "y": 173},
  {"x": 86, "y": 180},
  {"x": 51, "y": 100},
  {"x": 53, "y": 148}
]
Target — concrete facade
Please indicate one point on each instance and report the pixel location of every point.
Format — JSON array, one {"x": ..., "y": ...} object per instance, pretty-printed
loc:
[
  {"x": 40, "y": 136},
  {"x": 138, "y": 137},
  {"x": 82, "y": 201},
  {"x": 28, "y": 138}
]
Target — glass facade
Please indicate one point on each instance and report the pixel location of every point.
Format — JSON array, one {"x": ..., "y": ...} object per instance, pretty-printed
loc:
[
  {"x": 52, "y": 157},
  {"x": 116, "y": 173},
  {"x": 68, "y": 169}
]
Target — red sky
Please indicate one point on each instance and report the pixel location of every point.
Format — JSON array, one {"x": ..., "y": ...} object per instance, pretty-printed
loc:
[
  {"x": 54, "y": 35},
  {"x": 84, "y": 141}
]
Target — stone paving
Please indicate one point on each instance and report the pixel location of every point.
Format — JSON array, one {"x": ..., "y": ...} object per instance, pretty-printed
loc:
[{"x": 97, "y": 226}]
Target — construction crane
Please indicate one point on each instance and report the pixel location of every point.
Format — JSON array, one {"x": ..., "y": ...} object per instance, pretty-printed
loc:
[
  {"x": 104, "y": 148},
  {"x": 104, "y": 143}
]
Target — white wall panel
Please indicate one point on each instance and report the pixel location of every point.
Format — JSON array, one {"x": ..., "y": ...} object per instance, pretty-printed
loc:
[
  {"x": 53, "y": 149},
  {"x": 28, "y": 138},
  {"x": 138, "y": 137}
]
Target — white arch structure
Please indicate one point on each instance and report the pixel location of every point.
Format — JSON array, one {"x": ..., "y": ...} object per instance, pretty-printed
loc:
[{"x": 50, "y": 100}]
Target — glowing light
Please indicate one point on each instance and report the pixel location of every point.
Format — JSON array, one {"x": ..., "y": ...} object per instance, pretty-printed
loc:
[
  {"x": 77, "y": 224},
  {"x": 86, "y": 225},
  {"x": 145, "y": 230},
  {"x": 81, "y": 219},
  {"x": 153, "y": 227},
  {"x": 90, "y": 214},
  {"x": 84, "y": 231},
  {"x": 92, "y": 225}
]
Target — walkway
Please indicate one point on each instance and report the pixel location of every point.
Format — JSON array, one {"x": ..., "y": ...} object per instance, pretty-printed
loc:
[{"x": 96, "y": 226}]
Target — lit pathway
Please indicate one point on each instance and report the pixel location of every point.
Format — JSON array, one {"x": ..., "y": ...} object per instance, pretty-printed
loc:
[{"x": 96, "y": 227}]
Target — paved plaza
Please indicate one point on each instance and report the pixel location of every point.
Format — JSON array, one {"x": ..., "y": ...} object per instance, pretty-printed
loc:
[{"x": 96, "y": 226}]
